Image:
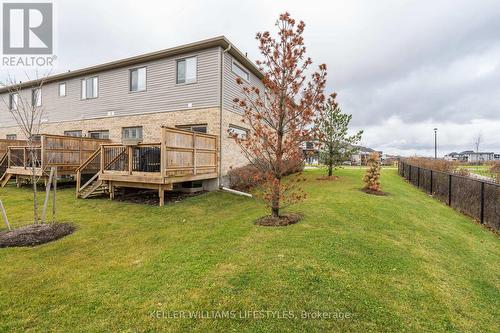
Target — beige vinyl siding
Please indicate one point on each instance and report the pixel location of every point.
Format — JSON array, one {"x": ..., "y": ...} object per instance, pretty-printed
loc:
[
  {"x": 162, "y": 92},
  {"x": 231, "y": 88}
]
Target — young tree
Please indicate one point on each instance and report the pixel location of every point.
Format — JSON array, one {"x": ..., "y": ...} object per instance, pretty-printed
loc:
[
  {"x": 335, "y": 144},
  {"x": 281, "y": 117},
  {"x": 372, "y": 176},
  {"x": 25, "y": 107},
  {"x": 477, "y": 141}
]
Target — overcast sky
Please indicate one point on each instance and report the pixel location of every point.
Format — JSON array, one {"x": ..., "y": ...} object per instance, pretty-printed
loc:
[{"x": 400, "y": 67}]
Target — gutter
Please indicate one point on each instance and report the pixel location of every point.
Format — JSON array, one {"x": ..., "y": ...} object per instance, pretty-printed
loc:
[{"x": 221, "y": 102}]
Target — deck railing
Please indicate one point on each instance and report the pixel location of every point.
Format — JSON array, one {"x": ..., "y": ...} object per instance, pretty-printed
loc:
[
  {"x": 64, "y": 152},
  {"x": 181, "y": 153}
]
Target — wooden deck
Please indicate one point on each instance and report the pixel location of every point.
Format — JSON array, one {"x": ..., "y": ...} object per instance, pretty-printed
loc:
[
  {"x": 66, "y": 153},
  {"x": 180, "y": 156}
]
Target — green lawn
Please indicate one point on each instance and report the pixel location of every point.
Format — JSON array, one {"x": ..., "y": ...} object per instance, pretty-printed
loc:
[
  {"x": 404, "y": 262},
  {"x": 482, "y": 170}
]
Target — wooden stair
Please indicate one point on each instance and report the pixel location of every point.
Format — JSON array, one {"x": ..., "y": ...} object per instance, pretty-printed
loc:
[
  {"x": 95, "y": 188},
  {"x": 4, "y": 176}
]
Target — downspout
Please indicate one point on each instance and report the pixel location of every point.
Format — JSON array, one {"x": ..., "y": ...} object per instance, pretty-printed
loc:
[{"x": 221, "y": 102}]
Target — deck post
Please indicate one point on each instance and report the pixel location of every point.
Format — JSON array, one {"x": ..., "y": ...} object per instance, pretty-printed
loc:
[
  {"x": 78, "y": 182},
  {"x": 102, "y": 159},
  {"x": 194, "y": 152},
  {"x": 24, "y": 157},
  {"x": 161, "y": 194},
  {"x": 130, "y": 152},
  {"x": 163, "y": 153},
  {"x": 111, "y": 190}
]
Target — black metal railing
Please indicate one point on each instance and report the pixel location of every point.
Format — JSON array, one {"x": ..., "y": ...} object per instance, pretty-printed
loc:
[{"x": 477, "y": 198}]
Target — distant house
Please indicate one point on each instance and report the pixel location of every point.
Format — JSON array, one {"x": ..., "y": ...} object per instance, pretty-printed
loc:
[
  {"x": 361, "y": 156},
  {"x": 311, "y": 152},
  {"x": 470, "y": 156}
]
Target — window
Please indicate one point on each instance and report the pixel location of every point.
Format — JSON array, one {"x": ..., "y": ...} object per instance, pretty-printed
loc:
[
  {"x": 73, "y": 133},
  {"x": 11, "y": 136},
  {"x": 201, "y": 128},
  {"x": 104, "y": 134},
  {"x": 36, "y": 137},
  {"x": 138, "y": 79},
  {"x": 90, "y": 87},
  {"x": 13, "y": 100},
  {"x": 186, "y": 70},
  {"x": 62, "y": 89},
  {"x": 241, "y": 133},
  {"x": 132, "y": 132},
  {"x": 238, "y": 70},
  {"x": 36, "y": 97}
]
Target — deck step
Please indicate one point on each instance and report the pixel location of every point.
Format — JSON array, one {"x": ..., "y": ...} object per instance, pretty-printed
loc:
[
  {"x": 4, "y": 179},
  {"x": 97, "y": 187}
]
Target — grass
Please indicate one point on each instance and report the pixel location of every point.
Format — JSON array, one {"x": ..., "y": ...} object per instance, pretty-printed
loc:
[
  {"x": 404, "y": 262},
  {"x": 482, "y": 170}
]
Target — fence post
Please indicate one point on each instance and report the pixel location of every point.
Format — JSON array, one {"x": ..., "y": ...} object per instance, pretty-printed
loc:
[
  {"x": 409, "y": 176},
  {"x": 449, "y": 190},
  {"x": 482, "y": 203},
  {"x": 431, "y": 184},
  {"x": 418, "y": 176}
]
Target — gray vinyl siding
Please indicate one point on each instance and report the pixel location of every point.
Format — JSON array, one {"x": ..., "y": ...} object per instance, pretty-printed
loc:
[
  {"x": 231, "y": 88},
  {"x": 162, "y": 93}
]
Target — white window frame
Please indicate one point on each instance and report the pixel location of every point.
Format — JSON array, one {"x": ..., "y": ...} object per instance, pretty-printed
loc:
[
  {"x": 192, "y": 127},
  {"x": 130, "y": 78},
  {"x": 235, "y": 129},
  {"x": 128, "y": 128},
  {"x": 186, "y": 81},
  {"x": 62, "y": 84},
  {"x": 13, "y": 101},
  {"x": 95, "y": 87},
  {"x": 68, "y": 133},
  {"x": 241, "y": 68},
  {"x": 36, "y": 97},
  {"x": 100, "y": 132}
]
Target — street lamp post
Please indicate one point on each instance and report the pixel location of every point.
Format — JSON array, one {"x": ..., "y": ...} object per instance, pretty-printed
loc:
[{"x": 435, "y": 144}]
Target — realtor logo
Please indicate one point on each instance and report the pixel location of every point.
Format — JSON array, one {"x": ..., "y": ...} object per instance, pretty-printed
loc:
[{"x": 27, "y": 28}]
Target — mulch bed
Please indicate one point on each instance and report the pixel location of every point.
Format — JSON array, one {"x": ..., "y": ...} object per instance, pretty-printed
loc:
[
  {"x": 35, "y": 234},
  {"x": 328, "y": 178},
  {"x": 381, "y": 193},
  {"x": 282, "y": 221},
  {"x": 149, "y": 197}
]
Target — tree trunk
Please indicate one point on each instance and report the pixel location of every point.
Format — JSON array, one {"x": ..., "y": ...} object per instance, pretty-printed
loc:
[
  {"x": 275, "y": 203},
  {"x": 330, "y": 170},
  {"x": 33, "y": 182}
]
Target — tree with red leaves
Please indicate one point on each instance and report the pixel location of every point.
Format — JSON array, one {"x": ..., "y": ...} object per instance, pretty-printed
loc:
[{"x": 281, "y": 117}]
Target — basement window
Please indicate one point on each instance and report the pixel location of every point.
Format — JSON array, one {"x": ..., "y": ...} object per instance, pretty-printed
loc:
[
  {"x": 73, "y": 133},
  {"x": 132, "y": 132},
  {"x": 240, "y": 132},
  {"x": 104, "y": 134},
  {"x": 11, "y": 136},
  {"x": 201, "y": 128}
]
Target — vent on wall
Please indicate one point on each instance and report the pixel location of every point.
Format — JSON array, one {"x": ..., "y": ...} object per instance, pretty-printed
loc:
[
  {"x": 111, "y": 113},
  {"x": 190, "y": 105}
]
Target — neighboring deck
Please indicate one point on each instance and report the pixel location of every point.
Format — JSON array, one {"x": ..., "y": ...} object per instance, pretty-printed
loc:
[
  {"x": 66, "y": 153},
  {"x": 180, "y": 156}
]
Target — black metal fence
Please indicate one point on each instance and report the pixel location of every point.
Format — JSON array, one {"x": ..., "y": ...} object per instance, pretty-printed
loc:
[{"x": 476, "y": 198}]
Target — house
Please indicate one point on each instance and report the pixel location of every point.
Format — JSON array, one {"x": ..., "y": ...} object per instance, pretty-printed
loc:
[
  {"x": 190, "y": 87},
  {"x": 311, "y": 152},
  {"x": 454, "y": 156},
  {"x": 361, "y": 156},
  {"x": 470, "y": 156}
]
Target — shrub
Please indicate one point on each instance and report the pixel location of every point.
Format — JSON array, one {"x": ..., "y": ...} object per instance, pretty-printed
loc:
[
  {"x": 464, "y": 172},
  {"x": 495, "y": 170},
  {"x": 432, "y": 163},
  {"x": 244, "y": 178},
  {"x": 248, "y": 177}
]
